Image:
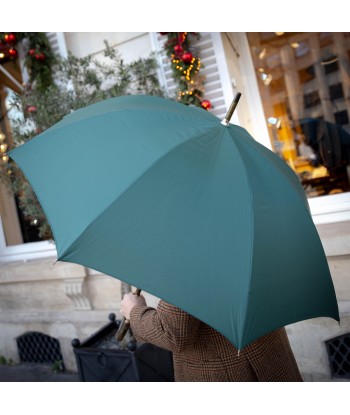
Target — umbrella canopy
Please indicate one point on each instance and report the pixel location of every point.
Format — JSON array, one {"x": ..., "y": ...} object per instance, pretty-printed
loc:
[{"x": 165, "y": 197}]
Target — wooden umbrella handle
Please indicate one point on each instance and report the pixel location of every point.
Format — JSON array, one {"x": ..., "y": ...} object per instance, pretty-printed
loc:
[{"x": 125, "y": 324}]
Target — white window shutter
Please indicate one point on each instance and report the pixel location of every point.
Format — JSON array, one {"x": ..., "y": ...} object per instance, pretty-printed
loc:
[
  {"x": 58, "y": 43},
  {"x": 213, "y": 82}
]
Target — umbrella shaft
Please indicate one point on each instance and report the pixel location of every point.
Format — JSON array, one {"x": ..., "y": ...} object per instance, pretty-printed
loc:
[{"x": 232, "y": 108}]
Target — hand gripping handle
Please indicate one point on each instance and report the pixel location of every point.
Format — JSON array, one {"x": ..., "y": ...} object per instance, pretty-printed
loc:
[{"x": 125, "y": 324}]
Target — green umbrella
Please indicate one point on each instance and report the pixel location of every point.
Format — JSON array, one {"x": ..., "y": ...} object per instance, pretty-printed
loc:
[{"x": 169, "y": 199}]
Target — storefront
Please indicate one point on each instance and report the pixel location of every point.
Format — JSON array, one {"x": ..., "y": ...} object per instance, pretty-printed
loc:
[{"x": 295, "y": 100}]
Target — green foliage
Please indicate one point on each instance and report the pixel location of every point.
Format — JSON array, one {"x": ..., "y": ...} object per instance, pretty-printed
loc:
[
  {"x": 57, "y": 366},
  {"x": 4, "y": 361},
  {"x": 39, "y": 58},
  {"x": 76, "y": 83}
]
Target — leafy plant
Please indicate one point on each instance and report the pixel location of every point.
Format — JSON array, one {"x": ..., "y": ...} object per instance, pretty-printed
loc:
[{"x": 76, "y": 83}]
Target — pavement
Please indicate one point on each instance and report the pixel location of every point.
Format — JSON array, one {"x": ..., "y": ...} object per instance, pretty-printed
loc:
[{"x": 34, "y": 373}]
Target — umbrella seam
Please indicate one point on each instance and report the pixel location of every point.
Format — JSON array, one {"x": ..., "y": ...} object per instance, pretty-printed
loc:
[
  {"x": 266, "y": 159},
  {"x": 193, "y": 137},
  {"x": 252, "y": 233}
]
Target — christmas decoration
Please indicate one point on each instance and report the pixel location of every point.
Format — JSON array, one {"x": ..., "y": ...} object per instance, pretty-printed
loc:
[
  {"x": 13, "y": 52},
  {"x": 206, "y": 104},
  {"x": 186, "y": 64},
  {"x": 93, "y": 81},
  {"x": 39, "y": 56},
  {"x": 10, "y": 38},
  {"x": 178, "y": 49},
  {"x": 31, "y": 108},
  {"x": 187, "y": 57}
]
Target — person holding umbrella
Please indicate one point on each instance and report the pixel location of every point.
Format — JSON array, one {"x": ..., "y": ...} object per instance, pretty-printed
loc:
[
  {"x": 178, "y": 202},
  {"x": 202, "y": 354}
]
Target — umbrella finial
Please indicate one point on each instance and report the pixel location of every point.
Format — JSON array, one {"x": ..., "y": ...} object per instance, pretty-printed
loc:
[{"x": 231, "y": 110}]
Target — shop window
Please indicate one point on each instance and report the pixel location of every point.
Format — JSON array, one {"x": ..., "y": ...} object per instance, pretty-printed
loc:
[{"x": 302, "y": 80}]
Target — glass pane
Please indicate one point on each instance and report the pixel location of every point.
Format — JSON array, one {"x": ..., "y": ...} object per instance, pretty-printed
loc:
[
  {"x": 304, "y": 82},
  {"x": 18, "y": 227}
]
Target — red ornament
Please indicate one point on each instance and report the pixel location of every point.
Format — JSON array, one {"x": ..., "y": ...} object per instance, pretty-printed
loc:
[
  {"x": 13, "y": 52},
  {"x": 178, "y": 49},
  {"x": 206, "y": 104},
  {"x": 40, "y": 56},
  {"x": 187, "y": 57},
  {"x": 31, "y": 108},
  {"x": 10, "y": 38},
  {"x": 31, "y": 52}
]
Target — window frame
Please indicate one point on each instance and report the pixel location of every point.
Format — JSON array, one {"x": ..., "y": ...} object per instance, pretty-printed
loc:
[{"x": 25, "y": 251}]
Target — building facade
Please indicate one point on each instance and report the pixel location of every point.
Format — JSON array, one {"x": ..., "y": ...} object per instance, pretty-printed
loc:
[{"x": 295, "y": 100}]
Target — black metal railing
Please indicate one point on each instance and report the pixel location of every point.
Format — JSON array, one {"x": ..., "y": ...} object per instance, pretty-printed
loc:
[{"x": 338, "y": 350}]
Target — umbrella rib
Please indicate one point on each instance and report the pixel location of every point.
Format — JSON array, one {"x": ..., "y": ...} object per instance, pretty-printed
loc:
[
  {"x": 193, "y": 137},
  {"x": 194, "y": 204},
  {"x": 261, "y": 153},
  {"x": 252, "y": 222}
]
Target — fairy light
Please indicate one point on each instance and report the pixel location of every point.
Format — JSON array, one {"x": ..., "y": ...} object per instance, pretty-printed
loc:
[{"x": 185, "y": 67}]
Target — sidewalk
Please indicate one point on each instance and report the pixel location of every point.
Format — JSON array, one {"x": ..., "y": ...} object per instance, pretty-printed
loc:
[{"x": 34, "y": 373}]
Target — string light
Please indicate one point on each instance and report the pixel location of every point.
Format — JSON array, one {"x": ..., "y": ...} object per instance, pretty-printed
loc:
[{"x": 185, "y": 67}]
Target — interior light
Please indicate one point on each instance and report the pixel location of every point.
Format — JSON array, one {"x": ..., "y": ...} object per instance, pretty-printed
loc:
[
  {"x": 295, "y": 45},
  {"x": 2, "y": 137},
  {"x": 274, "y": 122},
  {"x": 2, "y": 55},
  {"x": 262, "y": 53},
  {"x": 279, "y": 33},
  {"x": 266, "y": 78}
]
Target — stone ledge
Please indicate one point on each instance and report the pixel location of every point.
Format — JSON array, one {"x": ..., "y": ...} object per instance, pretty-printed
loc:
[
  {"x": 39, "y": 270},
  {"x": 58, "y": 316}
]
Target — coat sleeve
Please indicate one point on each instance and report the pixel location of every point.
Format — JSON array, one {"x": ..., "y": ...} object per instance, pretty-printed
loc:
[{"x": 167, "y": 326}]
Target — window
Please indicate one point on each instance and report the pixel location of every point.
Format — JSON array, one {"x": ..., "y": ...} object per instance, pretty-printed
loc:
[
  {"x": 302, "y": 80},
  {"x": 19, "y": 238}
]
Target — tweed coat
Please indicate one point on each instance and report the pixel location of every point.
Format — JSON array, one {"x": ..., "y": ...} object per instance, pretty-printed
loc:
[{"x": 201, "y": 354}]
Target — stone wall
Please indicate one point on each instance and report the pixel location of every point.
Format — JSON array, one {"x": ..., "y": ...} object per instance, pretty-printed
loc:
[
  {"x": 68, "y": 301},
  {"x": 65, "y": 301}
]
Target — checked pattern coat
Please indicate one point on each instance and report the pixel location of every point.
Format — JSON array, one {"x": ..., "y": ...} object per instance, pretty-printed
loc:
[{"x": 201, "y": 354}]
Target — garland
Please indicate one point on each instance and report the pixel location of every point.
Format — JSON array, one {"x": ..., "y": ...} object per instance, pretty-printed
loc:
[
  {"x": 39, "y": 57},
  {"x": 186, "y": 65}
]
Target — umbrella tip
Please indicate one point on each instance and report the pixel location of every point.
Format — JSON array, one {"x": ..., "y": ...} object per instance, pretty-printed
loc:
[{"x": 226, "y": 120}]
